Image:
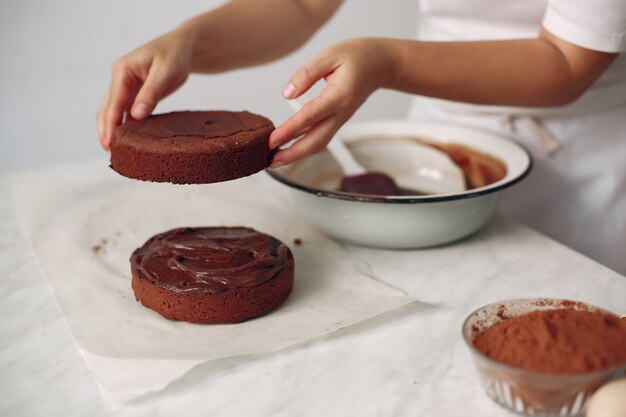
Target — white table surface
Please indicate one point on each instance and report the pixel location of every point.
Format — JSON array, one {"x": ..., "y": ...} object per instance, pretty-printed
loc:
[{"x": 412, "y": 362}]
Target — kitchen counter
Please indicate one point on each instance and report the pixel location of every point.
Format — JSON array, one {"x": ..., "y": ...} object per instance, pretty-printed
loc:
[{"x": 409, "y": 362}]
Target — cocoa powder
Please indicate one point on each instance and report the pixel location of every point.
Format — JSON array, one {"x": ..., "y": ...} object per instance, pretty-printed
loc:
[{"x": 561, "y": 341}]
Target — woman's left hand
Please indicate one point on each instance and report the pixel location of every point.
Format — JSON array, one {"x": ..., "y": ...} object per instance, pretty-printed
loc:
[{"x": 353, "y": 70}]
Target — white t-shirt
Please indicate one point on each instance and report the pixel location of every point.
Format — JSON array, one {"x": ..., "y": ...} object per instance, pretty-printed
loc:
[
  {"x": 593, "y": 24},
  {"x": 576, "y": 194}
]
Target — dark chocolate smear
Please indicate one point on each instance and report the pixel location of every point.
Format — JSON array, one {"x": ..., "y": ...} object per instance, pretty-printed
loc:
[
  {"x": 373, "y": 183},
  {"x": 210, "y": 260}
]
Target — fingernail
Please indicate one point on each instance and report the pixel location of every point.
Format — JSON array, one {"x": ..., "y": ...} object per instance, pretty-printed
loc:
[
  {"x": 277, "y": 164},
  {"x": 289, "y": 90},
  {"x": 140, "y": 111}
]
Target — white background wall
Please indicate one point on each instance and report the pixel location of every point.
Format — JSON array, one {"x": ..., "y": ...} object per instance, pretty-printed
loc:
[{"x": 55, "y": 58}]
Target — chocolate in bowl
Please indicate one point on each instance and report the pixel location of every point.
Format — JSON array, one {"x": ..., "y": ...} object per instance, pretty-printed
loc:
[
  {"x": 559, "y": 391},
  {"x": 310, "y": 186},
  {"x": 479, "y": 169}
]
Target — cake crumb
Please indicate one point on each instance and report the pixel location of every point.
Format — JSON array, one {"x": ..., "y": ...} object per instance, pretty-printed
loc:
[
  {"x": 297, "y": 241},
  {"x": 502, "y": 313},
  {"x": 99, "y": 247}
]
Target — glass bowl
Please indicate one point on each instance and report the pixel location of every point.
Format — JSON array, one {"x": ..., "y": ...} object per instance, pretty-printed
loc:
[{"x": 527, "y": 392}]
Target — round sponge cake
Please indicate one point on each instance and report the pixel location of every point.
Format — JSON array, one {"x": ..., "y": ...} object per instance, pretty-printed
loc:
[
  {"x": 212, "y": 274},
  {"x": 192, "y": 147}
]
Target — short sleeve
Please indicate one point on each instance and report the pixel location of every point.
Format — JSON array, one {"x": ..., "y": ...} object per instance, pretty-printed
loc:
[{"x": 599, "y": 25}]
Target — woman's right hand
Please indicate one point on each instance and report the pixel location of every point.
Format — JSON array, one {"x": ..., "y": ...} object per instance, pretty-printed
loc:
[{"x": 142, "y": 78}]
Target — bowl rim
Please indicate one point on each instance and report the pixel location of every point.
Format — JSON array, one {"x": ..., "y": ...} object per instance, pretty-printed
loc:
[
  {"x": 366, "y": 198},
  {"x": 522, "y": 371}
]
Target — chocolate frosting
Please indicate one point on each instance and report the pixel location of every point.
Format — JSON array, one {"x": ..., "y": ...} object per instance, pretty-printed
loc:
[{"x": 210, "y": 260}]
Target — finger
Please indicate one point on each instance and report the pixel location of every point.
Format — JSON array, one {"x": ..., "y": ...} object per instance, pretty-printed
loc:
[
  {"x": 310, "y": 144},
  {"x": 307, "y": 75},
  {"x": 157, "y": 83},
  {"x": 174, "y": 86},
  {"x": 300, "y": 134},
  {"x": 303, "y": 132},
  {"x": 311, "y": 113},
  {"x": 120, "y": 93}
]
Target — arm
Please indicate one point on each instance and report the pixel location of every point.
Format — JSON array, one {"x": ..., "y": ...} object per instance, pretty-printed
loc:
[
  {"x": 541, "y": 72},
  {"x": 241, "y": 33},
  {"x": 244, "y": 33},
  {"x": 546, "y": 71}
]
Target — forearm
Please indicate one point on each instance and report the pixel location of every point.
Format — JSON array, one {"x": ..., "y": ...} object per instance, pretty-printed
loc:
[
  {"x": 250, "y": 32},
  {"x": 531, "y": 72}
]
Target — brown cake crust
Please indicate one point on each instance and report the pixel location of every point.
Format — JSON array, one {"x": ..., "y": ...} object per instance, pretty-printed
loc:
[
  {"x": 192, "y": 147},
  {"x": 212, "y": 274}
]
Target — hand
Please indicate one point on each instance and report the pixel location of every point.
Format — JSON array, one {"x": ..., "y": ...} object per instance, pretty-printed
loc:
[
  {"x": 353, "y": 70},
  {"x": 142, "y": 78}
]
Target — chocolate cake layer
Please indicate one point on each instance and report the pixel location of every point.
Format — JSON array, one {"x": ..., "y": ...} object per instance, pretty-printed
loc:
[
  {"x": 196, "y": 147},
  {"x": 212, "y": 274}
]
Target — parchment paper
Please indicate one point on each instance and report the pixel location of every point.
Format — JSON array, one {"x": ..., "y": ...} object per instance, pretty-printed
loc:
[{"x": 85, "y": 220}]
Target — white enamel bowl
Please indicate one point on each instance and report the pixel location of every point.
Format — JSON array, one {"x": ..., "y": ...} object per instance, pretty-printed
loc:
[{"x": 400, "y": 221}]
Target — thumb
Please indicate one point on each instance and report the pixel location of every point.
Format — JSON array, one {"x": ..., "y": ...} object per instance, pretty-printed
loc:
[
  {"x": 152, "y": 90},
  {"x": 307, "y": 75}
]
